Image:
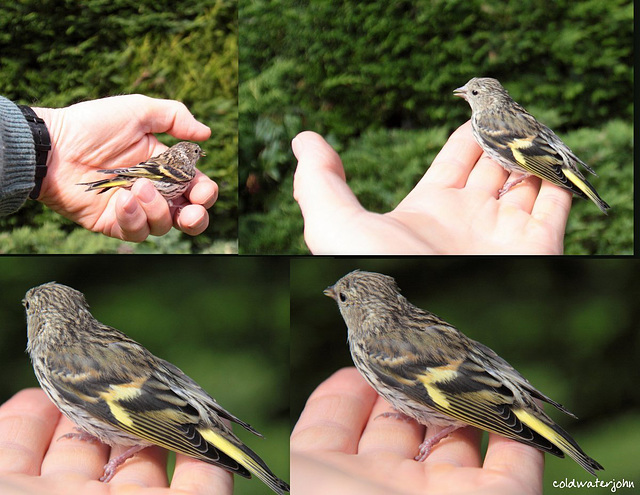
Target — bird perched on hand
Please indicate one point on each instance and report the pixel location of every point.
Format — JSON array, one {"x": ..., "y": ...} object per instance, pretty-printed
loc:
[
  {"x": 171, "y": 171},
  {"x": 115, "y": 390},
  {"x": 431, "y": 372},
  {"x": 511, "y": 136}
]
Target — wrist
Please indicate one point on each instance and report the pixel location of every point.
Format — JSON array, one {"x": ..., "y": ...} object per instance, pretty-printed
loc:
[
  {"x": 47, "y": 115},
  {"x": 42, "y": 145}
]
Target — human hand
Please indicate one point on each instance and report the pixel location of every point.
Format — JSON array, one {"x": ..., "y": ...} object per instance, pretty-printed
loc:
[
  {"x": 454, "y": 209},
  {"x": 34, "y": 461},
  {"x": 339, "y": 447},
  {"x": 119, "y": 132}
]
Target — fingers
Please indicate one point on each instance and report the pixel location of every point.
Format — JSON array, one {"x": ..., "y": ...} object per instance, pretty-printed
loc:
[
  {"x": 335, "y": 414},
  {"x": 148, "y": 467},
  {"x": 516, "y": 460},
  {"x": 154, "y": 206},
  {"x": 172, "y": 117},
  {"x": 140, "y": 212},
  {"x": 395, "y": 435},
  {"x": 197, "y": 477},
  {"x": 461, "y": 448},
  {"x": 456, "y": 160},
  {"x": 27, "y": 423},
  {"x": 74, "y": 457},
  {"x": 320, "y": 188},
  {"x": 192, "y": 219},
  {"x": 143, "y": 211},
  {"x": 202, "y": 191},
  {"x": 552, "y": 207}
]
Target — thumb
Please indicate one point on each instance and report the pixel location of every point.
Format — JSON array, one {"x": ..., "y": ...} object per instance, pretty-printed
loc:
[{"x": 319, "y": 185}]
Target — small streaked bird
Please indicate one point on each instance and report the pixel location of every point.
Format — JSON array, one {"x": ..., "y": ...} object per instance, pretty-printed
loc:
[
  {"x": 431, "y": 372},
  {"x": 171, "y": 171},
  {"x": 511, "y": 136},
  {"x": 116, "y": 391}
]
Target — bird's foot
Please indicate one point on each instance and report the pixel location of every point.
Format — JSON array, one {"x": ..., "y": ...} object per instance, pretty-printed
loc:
[
  {"x": 429, "y": 443},
  {"x": 113, "y": 464}
]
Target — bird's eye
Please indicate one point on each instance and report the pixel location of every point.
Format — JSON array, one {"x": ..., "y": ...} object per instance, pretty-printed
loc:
[
  {"x": 474, "y": 92},
  {"x": 342, "y": 297}
]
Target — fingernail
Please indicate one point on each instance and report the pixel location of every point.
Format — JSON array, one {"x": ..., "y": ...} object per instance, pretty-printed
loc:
[
  {"x": 147, "y": 193},
  {"x": 297, "y": 144},
  {"x": 130, "y": 206}
]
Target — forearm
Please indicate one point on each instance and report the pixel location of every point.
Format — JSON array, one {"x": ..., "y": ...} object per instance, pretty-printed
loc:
[{"x": 17, "y": 158}]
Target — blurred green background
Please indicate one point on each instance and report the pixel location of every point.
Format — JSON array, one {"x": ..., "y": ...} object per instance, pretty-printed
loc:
[
  {"x": 376, "y": 79},
  {"x": 54, "y": 54},
  {"x": 223, "y": 321},
  {"x": 570, "y": 326}
]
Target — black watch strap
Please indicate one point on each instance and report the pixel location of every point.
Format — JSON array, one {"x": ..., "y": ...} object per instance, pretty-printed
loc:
[{"x": 42, "y": 143}]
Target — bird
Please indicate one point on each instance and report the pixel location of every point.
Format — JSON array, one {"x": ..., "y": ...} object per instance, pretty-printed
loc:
[
  {"x": 430, "y": 371},
  {"x": 515, "y": 139},
  {"x": 171, "y": 172},
  {"x": 118, "y": 392}
]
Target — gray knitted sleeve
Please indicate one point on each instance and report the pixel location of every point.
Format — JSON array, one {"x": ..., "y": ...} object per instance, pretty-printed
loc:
[{"x": 17, "y": 158}]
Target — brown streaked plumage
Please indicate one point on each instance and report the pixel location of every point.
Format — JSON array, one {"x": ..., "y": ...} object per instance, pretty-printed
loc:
[
  {"x": 516, "y": 140},
  {"x": 171, "y": 172},
  {"x": 115, "y": 390}
]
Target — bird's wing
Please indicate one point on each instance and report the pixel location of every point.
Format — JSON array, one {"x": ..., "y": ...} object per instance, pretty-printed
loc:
[
  {"x": 519, "y": 139},
  {"x": 155, "y": 168},
  {"x": 180, "y": 382},
  {"x": 539, "y": 152},
  {"x": 461, "y": 388},
  {"x": 128, "y": 395}
]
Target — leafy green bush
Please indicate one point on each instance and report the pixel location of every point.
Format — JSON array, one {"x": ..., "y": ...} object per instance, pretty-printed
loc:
[{"x": 353, "y": 71}]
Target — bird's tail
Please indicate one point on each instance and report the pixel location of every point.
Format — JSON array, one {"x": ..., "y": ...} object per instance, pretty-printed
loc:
[
  {"x": 244, "y": 456},
  {"x": 106, "y": 184},
  {"x": 560, "y": 438},
  {"x": 585, "y": 190}
]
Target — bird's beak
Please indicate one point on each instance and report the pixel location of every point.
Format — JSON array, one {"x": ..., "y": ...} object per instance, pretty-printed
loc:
[
  {"x": 330, "y": 292},
  {"x": 202, "y": 153},
  {"x": 461, "y": 92}
]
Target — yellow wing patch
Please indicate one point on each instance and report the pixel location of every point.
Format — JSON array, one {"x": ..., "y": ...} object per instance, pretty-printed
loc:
[
  {"x": 439, "y": 374},
  {"x": 521, "y": 143},
  {"x": 116, "y": 393},
  {"x": 518, "y": 144}
]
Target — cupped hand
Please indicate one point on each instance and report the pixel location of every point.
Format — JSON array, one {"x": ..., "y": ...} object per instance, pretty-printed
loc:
[{"x": 120, "y": 132}]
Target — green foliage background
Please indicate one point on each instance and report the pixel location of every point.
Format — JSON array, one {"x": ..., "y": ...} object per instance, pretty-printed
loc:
[
  {"x": 55, "y": 53},
  {"x": 223, "y": 320},
  {"x": 376, "y": 79},
  {"x": 570, "y": 326}
]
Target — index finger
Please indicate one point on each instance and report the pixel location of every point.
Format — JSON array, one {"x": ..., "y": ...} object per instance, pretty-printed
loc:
[
  {"x": 456, "y": 159},
  {"x": 27, "y": 423},
  {"x": 335, "y": 414}
]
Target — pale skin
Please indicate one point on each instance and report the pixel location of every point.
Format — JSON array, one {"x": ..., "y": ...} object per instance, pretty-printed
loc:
[
  {"x": 34, "y": 459},
  {"x": 341, "y": 445},
  {"x": 120, "y": 132},
  {"x": 454, "y": 209}
]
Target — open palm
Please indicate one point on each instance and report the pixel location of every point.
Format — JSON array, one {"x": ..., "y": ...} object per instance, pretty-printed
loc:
[
  {"x": 454, "y": 209},
  {"x": 341, "y": 446}
]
